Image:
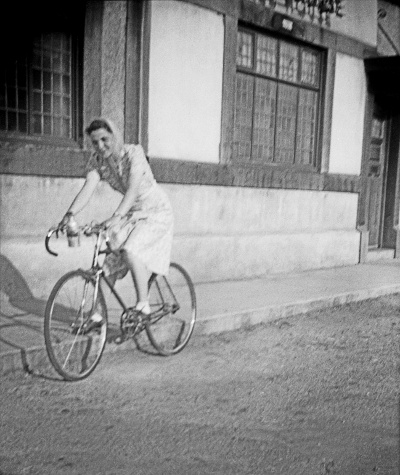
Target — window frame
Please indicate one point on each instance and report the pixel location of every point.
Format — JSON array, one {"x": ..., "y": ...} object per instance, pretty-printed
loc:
[{"x": 315, "y": 165}]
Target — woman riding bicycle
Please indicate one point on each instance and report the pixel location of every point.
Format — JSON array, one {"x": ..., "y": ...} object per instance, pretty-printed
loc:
[{"x": 141, "y": 227}]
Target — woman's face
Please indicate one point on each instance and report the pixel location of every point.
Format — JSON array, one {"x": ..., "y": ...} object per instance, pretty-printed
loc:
[{"x": 103, "y": 142}]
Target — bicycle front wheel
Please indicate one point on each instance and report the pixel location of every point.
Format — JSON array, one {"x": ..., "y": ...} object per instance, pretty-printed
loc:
[
  {"x": 173, "y": 311},
  {"x": 73, "y": 349}
]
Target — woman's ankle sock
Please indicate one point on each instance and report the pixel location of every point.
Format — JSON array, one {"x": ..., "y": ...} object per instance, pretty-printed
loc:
[
  {"x": 96, "y": 317},
  {"x": 143, "y": 307}
]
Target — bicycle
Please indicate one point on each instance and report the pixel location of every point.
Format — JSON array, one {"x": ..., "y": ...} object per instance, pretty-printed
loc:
[{"x": 74, "y": 350}]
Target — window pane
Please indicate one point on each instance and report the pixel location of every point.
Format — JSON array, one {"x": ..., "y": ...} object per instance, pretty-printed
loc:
[
  {"x": 306, "y": 127},
  {"x": 11, "y": 98},
  {"x": 22, "y": 75},
  {"x": 10, "y": 74},
  {"x": 47, "y": 103},
  {"x": 244, "y": 55},
  {"x": 243, "y": 117},
  {"x": 3, "y": 121},
  {"x": 66, "y": 128},
  {"x": 267, "y": 50},
  {"x": 37, "y": 102},
  {"x": 2, "y": 96},
  {"x": 66, "y": 85},
  {"x": 57, "y": 62},
  {"x": 57, "y": 41},
  {"x": 46, "y": 60},
  {"x": 66, "y": 106},
  {"x": 264, "y": 121},
  {"x": 23, "y": 123},
  {"x": 57, "y": 83},
  {"x": 377, "y": 128},
  {"x": 309, "y": 68},
  {"x": 12, "y": 121},
  {"x": 46, "y": 41},
  {"x": 57, "y": 127},
  {"x": 22, "y": 100},
  {"x": 47, "y": 125},
  {"x": 288, "y": 62},
  {"x": 37, "y": 79},
  {"x": 286, "y": 123},
  {"x": 37, "y": 124},
  {"x": 57, "y": 105},
  {"x": 37, "y": 59},
  {"x": 46, "y": 81},
  {"x": 66, "y": 63}
]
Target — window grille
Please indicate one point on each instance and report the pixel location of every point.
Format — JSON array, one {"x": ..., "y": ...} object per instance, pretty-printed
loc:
[
  {"x": 36, "y": 89},
  {"x": 277, "y": 101}
]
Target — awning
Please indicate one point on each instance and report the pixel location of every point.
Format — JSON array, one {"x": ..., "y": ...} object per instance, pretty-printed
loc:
[{"x": 384, "y": 76}]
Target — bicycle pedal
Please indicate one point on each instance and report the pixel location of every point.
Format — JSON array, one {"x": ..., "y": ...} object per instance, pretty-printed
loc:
[{"x": 120, "y": 339}]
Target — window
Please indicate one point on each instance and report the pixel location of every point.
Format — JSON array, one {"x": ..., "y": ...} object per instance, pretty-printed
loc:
[
  {"x": 39, "y": 79},
  {"x": 277, "y": 101}
]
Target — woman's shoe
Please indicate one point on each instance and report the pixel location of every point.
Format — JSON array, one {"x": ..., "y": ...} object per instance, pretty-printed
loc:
[
  {"x": 143, "y": 308},
  {"x": 94, "y": 322}
]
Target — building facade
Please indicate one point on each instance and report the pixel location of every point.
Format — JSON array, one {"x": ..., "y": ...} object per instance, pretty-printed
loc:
[{"x": 272, "y": 125}]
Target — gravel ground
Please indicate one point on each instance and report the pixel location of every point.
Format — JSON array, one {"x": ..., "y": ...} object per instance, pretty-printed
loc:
[{"x": 313, "y": 394}]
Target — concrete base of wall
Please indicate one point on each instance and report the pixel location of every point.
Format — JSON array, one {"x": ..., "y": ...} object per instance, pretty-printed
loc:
[
  {"x": 26, "y": 266},
  {"x": 221, "y": 233},
  {"x": 237, "y": 257}
]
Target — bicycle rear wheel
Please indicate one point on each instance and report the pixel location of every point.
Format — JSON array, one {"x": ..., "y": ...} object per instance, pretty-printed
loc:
[
  {"x": 73, "y": 351},
  {"x": 173, "y": 311}
]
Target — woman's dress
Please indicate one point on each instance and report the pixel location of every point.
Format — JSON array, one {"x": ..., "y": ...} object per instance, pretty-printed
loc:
[{"x": 147, "y": 229}]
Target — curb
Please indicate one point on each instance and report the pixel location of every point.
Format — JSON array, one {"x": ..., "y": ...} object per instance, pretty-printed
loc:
[
  {"x": 248, "y": 318},
  {"x": 36, "y": 357}
]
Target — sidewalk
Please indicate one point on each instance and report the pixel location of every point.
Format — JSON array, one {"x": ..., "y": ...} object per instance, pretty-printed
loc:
[{"x": 222, "y": 306}]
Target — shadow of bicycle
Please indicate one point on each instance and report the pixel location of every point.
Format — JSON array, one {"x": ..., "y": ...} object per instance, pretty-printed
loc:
[
  {"x": 21, "y": 318},
  {"x": 21, "y": 321}
]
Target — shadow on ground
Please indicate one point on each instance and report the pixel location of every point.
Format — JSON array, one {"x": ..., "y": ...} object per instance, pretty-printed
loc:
[{"x": 21, "y": 322}]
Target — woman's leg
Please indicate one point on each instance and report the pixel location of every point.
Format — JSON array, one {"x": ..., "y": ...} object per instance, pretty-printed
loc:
[{"x": 140, "y": 275}]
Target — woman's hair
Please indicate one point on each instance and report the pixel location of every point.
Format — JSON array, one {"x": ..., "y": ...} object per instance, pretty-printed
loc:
[
  {"x": 97, "y": 124},
  {"x": 106, "y": 124}
]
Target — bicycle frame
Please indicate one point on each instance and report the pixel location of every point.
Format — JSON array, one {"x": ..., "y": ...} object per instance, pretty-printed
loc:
[{"x": 98, "y": 271}]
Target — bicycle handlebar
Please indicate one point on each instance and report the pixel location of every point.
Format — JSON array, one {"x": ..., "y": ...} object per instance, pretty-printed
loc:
[
  {"x": 48, "y": 236},
  {"x": 87, "y": 230}
]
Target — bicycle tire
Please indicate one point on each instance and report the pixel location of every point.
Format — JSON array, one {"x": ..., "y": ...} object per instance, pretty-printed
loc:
[
  {"x": 174, "y": 309},
  {"x": 73, "y": 352}
]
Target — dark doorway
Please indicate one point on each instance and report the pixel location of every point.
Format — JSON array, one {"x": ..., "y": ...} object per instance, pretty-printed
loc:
[{"x": 380, "y": 193}]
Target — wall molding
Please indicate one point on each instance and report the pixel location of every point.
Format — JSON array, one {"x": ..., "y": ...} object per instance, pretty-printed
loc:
[
  {"x": 71, "y": 164},
  {"x": 181, "y": 172}
]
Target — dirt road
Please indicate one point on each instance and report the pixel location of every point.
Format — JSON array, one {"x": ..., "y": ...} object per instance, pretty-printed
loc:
[{"x": 314, "y": 394}]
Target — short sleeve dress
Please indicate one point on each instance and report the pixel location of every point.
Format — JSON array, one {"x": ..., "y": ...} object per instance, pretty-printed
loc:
[{"x": 147, "y": 228}]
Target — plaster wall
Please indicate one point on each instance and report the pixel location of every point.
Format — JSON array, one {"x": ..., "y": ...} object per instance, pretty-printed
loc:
[
  {"x": 349, "y": 96},
  {"x": 359, "y": 21},
  {"x": 220, "y": 232},
  {"x": 185, "y": 82},
  {"x": 113, "y": 62}
]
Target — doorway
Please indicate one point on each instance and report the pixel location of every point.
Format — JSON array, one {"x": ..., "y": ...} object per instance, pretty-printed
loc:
[{"x": 381, "y": 180}]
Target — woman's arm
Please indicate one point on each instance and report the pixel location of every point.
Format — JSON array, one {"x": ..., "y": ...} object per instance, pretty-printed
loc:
[{"x": 84, "y": 195}]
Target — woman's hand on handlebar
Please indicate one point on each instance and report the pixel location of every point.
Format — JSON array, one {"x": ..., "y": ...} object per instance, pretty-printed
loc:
[{"x": 62, "y": 225}]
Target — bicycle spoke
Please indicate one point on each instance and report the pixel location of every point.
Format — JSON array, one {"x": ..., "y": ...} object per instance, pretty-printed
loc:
[
  {"x": 73, "y": 353},
  {"x": 173, "y": 305}
]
